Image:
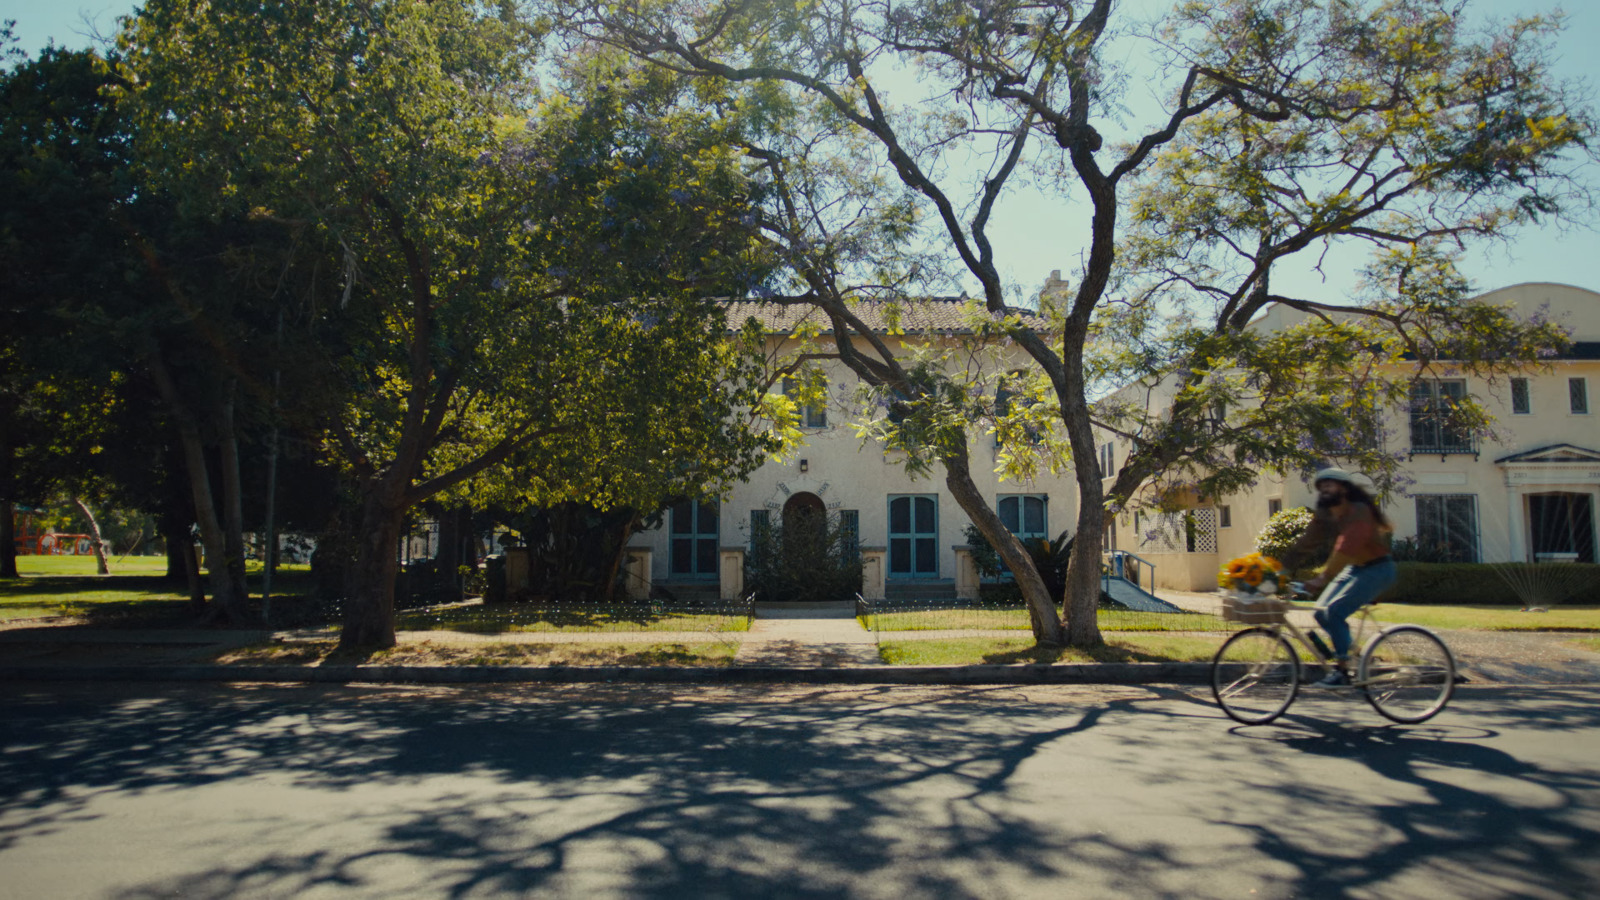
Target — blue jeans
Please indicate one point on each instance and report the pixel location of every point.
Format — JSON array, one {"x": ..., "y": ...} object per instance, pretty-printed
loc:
[{"x": 1352, "y": 589}]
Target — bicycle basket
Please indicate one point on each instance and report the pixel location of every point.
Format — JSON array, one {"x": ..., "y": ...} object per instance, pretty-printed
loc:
[{"x": 1253, "y": 609}]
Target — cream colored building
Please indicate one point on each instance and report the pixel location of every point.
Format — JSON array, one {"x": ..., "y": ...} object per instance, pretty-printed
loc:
[
  {"x": 910, "y": 530},
  {"x": 1529, "y": 493}
]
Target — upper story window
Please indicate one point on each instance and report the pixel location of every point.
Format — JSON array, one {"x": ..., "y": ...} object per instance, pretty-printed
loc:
[
  {"x": 811, "y": 416},
  {"x": 1578, "y": 395},
  {"x": 1108, "y": 459},
  {"x": 1521, "y": 398},
  {"x": 1433, "y": 403},
  {"x": 1224, "y": 517}
]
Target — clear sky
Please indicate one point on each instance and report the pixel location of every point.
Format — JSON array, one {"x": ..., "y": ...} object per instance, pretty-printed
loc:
[{"x": 1034, "y": 234}]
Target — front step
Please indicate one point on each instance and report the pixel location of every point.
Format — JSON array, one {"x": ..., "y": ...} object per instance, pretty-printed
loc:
[
  {"x": 919, "y": 590},
  {"x": 688, "y": 591}
]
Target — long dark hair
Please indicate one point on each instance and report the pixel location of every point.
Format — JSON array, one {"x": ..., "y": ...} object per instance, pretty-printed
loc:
[{"x": 1355, "y": 494}]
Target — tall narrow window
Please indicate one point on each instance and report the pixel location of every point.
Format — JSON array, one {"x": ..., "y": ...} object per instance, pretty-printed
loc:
[
  {"x": 694, "y": 539},
  {"x": 1433, "y": 404},
  {"x": 1578, "y": 395},
  {"x": 850, "y": 532},
  {"x": 1447, "y": 526},
  {"x": 1224, "y": 517},
  {"x": 1274, "y": 507},
  {"x": 1521, "y": 399},
  {"x": 914, "y": 536}
]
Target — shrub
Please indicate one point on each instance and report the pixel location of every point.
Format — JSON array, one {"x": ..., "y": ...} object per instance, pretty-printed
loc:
[
  {"x": 1049, "y": 557},
  {"x": 1281, "y": 531},
  {"x": 813, "y": 559},
  {"x": 1457, "y": 584}
]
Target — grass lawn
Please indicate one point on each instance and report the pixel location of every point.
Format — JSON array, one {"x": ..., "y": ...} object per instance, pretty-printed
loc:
[
  {"x": 1491, "y": 618},
  {"x": 1118, "y": 648},
  {"x": 477, "y": 619},
  {"x": 427, "y": 653},
  {"x": 70, "y": 588},
  {"x": 1017, "y": 620},
  {"x": 84, "y": 565}
]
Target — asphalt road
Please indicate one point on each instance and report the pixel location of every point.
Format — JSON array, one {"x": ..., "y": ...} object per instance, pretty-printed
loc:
[{"x": 150, "y": 790}]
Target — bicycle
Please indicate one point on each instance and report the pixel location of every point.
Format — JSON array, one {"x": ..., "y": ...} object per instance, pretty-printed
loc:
[{"x": 1407, "y": 672}]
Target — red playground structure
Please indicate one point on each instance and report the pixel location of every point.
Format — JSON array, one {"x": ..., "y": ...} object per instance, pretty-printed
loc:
[{"x": 30, "y": 542}]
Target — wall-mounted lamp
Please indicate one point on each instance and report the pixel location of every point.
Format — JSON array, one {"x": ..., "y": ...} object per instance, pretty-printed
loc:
[{"x": 805, "y": 465}]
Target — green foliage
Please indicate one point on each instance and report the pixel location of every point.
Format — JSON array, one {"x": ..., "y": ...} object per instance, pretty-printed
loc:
[
  {"x": 1050, "y": 557},
  {"x": 1282, "y": 531},
  {"x": 1462, "y": 584},
  {"x": 808, "y": 558}
]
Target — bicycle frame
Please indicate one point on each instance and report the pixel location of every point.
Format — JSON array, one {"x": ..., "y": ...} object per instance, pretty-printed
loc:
[{"x": 1363, "y": 616}]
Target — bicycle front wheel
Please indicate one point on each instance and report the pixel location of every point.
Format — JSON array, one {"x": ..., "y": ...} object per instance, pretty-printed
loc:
[
  {"x": 1408, "y": 674},
  {"x": 1255, "y": 676}
]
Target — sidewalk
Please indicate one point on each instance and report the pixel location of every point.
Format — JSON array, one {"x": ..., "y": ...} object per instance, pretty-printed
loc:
[{"x": 803, "y": 643}]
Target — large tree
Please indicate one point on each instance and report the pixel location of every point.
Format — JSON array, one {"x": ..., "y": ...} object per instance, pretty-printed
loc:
[
  {"x": 1474, "y": 121},
  {"x": 505, "y": 260}
]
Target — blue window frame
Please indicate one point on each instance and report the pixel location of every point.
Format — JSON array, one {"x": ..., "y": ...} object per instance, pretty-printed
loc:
[
  {"x": 914, "y": 536},
  {"x": 1025, "y": 515},
  {"x": 695, "y": 531}
]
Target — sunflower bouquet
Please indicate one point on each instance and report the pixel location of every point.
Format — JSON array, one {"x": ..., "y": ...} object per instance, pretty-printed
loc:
[
  {"x": 1253, "y": 574},
  {"x": 1251, "y": 584}
]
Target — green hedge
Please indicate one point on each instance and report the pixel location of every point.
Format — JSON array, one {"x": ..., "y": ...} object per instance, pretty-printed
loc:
[{"x": 1493, "y": 583}]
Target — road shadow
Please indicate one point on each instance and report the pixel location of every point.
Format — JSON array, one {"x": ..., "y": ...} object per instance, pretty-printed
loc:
[{"x": 654, "y": 791}]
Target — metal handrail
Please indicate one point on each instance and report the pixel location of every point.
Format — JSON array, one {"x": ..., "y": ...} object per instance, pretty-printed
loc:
[{"x": 1105, "y": 575}]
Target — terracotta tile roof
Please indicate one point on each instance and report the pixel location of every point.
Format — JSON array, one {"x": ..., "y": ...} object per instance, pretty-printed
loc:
[{"x": 950, "y": 315}]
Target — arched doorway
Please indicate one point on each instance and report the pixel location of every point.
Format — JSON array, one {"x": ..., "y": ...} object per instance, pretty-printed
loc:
[{"x": 805, "y": 530}]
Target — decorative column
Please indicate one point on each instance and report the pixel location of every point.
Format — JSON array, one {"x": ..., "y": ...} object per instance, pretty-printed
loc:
[
  {"x": 637, "y": 566},
  {"x": 730, "y": 573},
  {"x": 966, "y": 573},
  {"x": 1517, "y": 523},
  {"x": 874, "y": 565},
  {"x": 518, "y": 560}
]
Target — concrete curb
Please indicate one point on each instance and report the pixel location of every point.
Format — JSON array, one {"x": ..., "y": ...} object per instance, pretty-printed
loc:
[{"x": 1063, "y": 673}]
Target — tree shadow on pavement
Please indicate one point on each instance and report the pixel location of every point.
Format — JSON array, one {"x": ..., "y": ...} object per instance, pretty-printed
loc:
[{"x": 656, "y": 791}]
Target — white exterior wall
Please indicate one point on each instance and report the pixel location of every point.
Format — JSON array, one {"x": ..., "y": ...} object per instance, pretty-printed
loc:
[
  {"x": 1500, "y": 490},
  {"x": 847, "y": 474}
]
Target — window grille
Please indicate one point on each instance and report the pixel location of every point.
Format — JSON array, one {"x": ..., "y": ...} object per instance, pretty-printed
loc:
[{"x": 1521, "y": 399}]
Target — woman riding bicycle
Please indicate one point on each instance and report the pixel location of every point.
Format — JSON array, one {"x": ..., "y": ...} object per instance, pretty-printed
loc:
[{"x": 1359, "y": 568}]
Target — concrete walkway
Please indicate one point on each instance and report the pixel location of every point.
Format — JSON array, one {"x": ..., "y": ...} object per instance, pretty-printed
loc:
[{"x": 807, "y": 634}]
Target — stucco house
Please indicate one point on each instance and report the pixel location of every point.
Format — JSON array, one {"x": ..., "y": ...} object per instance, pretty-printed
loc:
[
  {"x": 1529, "y": 493},
  {"x": 910, "y": 530}
]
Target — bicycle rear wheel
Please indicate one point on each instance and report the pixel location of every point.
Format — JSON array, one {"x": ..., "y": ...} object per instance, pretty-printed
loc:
[
  {"x": 1255, "y": 676},
  {"x": 1407, "y": 673}
]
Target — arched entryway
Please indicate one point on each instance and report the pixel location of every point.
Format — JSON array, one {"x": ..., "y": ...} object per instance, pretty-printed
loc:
[{"x": 805, "y": 531}]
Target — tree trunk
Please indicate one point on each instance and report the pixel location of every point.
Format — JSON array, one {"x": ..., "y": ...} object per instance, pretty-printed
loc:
[
  {"x": 229, "y": 601},
  {"x": 369, "y": 621},
  {"x": 233, "y": 513},
  {"x": 1083, "y": 566},
  {"x": 94, "y": 535},
  {"x": 8, "y": 540},
  {"x": 8, "y": 507},
  {"x": 1041, "y": 606},
  {"x": 608, "y": 585},
  {"x": 447, "y": 561}
]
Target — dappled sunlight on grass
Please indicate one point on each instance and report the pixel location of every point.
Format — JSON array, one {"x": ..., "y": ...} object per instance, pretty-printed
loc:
[
  {"x": 1006, "y": 651},
  {"x": 512, "y": 618},
  {"x": 1016, "y": 619},
  {"x": 427, "y": 653}
]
